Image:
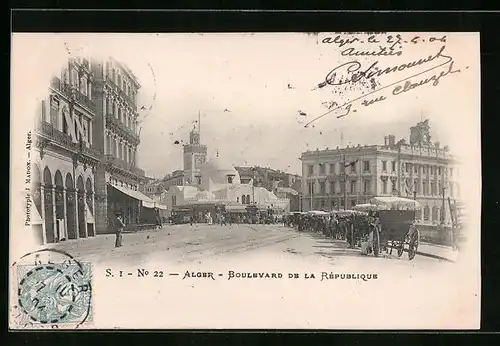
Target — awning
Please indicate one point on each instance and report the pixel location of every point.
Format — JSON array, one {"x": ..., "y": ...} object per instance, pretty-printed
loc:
[
  {"x": 154, "y": 205},
  {"x": 88, "y": 214},
  {"x": 134, "y": 194},
  {"x": 35, "y": 218}
]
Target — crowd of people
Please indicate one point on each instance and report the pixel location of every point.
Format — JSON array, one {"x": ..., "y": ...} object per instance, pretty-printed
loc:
[{"x": 352, "y": 228}]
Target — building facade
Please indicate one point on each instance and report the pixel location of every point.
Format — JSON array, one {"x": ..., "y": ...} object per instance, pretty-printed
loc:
[
  {"x": 119, "y": 180},
  {"x": 66, "y": 156},
  {"x": 342, "y": 178}
]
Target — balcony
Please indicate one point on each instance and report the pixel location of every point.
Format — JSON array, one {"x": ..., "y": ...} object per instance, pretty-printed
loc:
[
  {"x": 120, "y": 92},
  {"x": 118, "y": 126},
  {"x": 59, "y": 137},
  {"x": 126, "y": 166},
  {"x": 72, "y": 93}
]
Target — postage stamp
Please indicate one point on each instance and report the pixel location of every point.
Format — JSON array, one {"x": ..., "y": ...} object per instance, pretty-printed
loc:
[{"x": 53, "y": 291}]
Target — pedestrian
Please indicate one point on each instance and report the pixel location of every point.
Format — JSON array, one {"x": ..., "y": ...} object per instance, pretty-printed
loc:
[
  {"x": 119, "y": 225},
  {"x": 158, "y": 219}
]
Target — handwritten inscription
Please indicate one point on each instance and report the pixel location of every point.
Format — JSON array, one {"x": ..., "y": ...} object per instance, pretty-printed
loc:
[
  {"x": 385, "y": 45},
  {"x": 427, "y": 70}
]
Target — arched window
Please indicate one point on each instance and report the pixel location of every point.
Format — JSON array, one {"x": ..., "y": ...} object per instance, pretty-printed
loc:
[
  {"x": 243, "y": 199},
  {"x": 248, "y": 199},
  {"x": 426, "y": 213}
]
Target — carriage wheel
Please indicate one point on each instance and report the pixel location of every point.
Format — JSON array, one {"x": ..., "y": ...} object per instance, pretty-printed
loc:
[
  {"x": 376, "y": 243},
  {"x": 401, "y": 247},
  {"x": 413, "y": 245}
]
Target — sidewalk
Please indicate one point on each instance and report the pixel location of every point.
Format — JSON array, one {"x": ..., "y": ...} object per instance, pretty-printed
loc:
[{"x": 437, "y": 251}]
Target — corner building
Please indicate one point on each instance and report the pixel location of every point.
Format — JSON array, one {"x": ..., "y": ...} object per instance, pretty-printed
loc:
[
  {"x": 419, "y": 170},
  {"x": 118, "y": 177},
  {"x": 65, "y": 157}
]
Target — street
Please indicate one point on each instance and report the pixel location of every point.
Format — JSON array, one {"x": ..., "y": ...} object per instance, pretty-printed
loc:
[{"x": 201, "y": 242}]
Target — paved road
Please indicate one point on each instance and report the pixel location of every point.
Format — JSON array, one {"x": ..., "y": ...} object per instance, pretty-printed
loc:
[{"x": 188, "y": 244}]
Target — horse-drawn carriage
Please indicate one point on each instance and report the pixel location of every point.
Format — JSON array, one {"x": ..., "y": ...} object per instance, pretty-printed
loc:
[
  {"x": 392, "y": 223},
  {"x": 397, "y": 225}
]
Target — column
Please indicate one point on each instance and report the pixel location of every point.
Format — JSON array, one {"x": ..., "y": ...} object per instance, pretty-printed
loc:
[
  {"x": 94, "y": 212},
  {"x": 106, "y": 139},
  {"x": 77, "y": 223},
  {"x": 56, "y": 234},
  {"x": 90, "y": 133},
  {"x": 105, "y": 102},
  {"x": 85, "y": 214},
  {"x": 65, "y": 215},
  {"x": 44, "y": 229},
  {"x": 89, "y": 89},
  {"x": 116, "y": 147}
]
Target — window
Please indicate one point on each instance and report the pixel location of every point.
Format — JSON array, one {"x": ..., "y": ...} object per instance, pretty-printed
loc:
[
  {"x": 342, "y": 202},
  {"x": 426, "y": 213},
  {"x": 415, "y": 169},
  {"x": 384, "y": 186},
  {"x": 366, "y": 166},
  {"x": 353, "y": 168},
  {"x": 342, "y": 188},
  {"x": 311, "y": 187},
  {"x": 432, "y": 169},
  {"x": 322, "y": 204},
  {"x": 332, "y": 187},
  {"x": 439, "y": 170},
  {"x": 435, "y": 214},
  {"x": 332, "y": 168},
  {"x": 248, "y": 199},
  {"x": 353, "y": 187},
  {"x": 425, "y": 187},
  {"x": 407, "y": 167},
  {"x": 174, "y": 200},
  {"x": 321, "y": 169},
  {"x": 322, "y": 188},
  {"x": 394, "y": 166},
  {"x": 384, "y": 166},
  {"x": 342, "y": 168},
  {"x": 353, "y": 203},
  {"x": 243, "y": 199},
  {"x": 424, "y": 169},
  {"x": 310, "y": 170},
  {"x": 366, "y": 186},
  {"x": 433, "y": 189}
]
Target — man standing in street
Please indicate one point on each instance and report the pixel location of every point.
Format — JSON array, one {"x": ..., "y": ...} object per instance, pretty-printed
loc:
[{"x": 119, "y": 226}]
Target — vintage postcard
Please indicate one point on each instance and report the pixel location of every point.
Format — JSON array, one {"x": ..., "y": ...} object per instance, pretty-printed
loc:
[{"x": 245, "y": 181}]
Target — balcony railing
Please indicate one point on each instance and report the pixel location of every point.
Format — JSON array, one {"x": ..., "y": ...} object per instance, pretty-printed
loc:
[
  {"x": 73, "y": 93},
  {"x": 65, "y": 140},
  {"x": 127, "y": 166},
  {"x": 122, "y": 93},
  {"x": 129, "y": 134}
]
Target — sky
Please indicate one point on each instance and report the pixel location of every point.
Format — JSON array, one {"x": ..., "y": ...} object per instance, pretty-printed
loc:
[{"x": 251, "y": 88}]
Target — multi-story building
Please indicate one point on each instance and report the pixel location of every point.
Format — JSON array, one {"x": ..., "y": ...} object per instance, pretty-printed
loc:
[
  {"x": 66, "y": 155},
  {"x": 344, "y": 177},
  {"x": 119, "y": 180}
]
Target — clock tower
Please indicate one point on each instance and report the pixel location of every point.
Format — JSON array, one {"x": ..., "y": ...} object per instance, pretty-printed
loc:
[{"x": 195, "y": 154}]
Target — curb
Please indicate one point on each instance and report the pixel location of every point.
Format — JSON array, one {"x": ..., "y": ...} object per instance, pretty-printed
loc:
[{"x": 430, "y": 255}]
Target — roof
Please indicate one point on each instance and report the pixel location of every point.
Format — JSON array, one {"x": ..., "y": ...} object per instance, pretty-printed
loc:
[{"x": 287, "y": 190}]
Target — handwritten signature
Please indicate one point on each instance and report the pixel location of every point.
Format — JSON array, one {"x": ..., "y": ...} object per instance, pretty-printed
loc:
[{"x": 399, "y": 87}]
